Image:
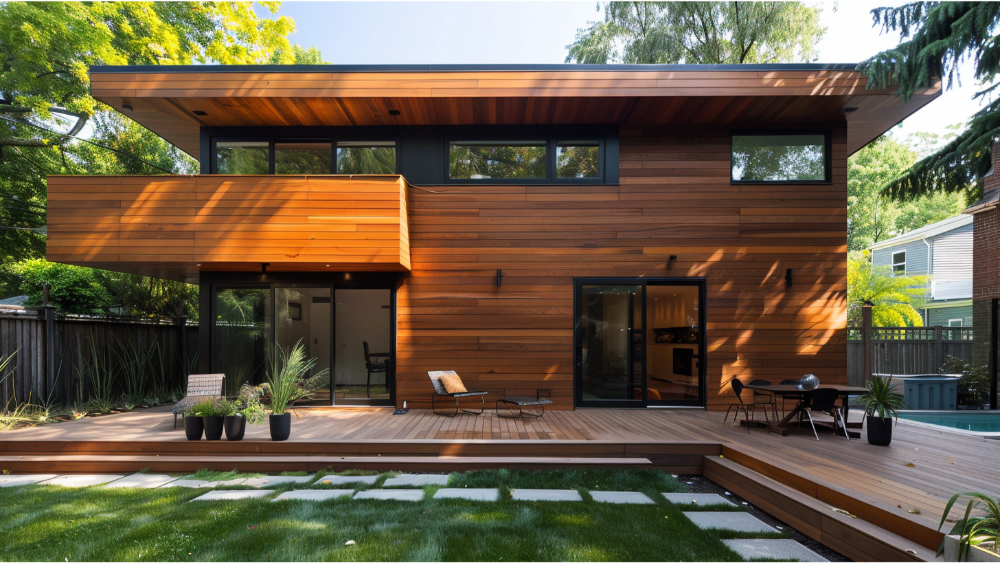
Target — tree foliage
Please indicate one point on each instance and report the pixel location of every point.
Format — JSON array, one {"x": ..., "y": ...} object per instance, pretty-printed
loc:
[
  {"x": 699, "y": 33},
  {"x": 937, "y": 37},
  {"x": 895, "y": 298}
]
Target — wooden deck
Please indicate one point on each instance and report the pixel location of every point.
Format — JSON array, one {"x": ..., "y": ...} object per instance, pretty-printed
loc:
[{"x": 902, "y": 488}]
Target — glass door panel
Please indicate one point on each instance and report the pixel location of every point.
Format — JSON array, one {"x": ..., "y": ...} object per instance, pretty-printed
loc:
[
  {"x": 610, "y": 344},
  {"x": 302, "y": 314},
  {"x": 363, "y": 343},
  {"x": 674, "y": 344},
  {"x": 242, "y": 333}
]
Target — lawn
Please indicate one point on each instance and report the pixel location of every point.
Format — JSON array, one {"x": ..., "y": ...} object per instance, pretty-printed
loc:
[{"x": 49, "y": 523}]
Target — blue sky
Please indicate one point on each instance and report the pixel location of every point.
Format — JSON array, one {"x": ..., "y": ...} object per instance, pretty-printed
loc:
[{"x": 538, "y": 32}]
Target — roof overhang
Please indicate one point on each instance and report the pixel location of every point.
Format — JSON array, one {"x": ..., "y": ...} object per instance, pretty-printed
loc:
[{"x": 166, "y": 99}]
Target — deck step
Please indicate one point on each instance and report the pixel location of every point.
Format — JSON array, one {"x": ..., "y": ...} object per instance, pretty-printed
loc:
[
  {"x": 258, "y": 463},
  {"x": 853, "y": 537}
]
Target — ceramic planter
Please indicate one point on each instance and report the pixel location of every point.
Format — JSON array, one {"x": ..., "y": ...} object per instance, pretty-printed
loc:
[
  {"x": 236, "y": 426},
  {"x": 281, "y": 426},
  {"x": 975, "y": 553},
  {"x": 879, "y": 431},
  {"x": 213, "y": 427},
  {"x": 194, "y": 426}
]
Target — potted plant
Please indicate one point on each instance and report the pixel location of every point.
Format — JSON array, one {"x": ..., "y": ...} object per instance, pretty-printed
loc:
[
  {"x": 194, "y": 419},
  {"x": 215, "y": 419},
  {"x": 973, "y": 538},
  {"x": 881, "y": 403},
  {"x": 246, "y": 408},
  {"x": 288, "y": 382}
]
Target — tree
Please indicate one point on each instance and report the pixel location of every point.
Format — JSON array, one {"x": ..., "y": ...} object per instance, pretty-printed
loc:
[
  {"x": 937, "y": 36},
  {"x": 699, "y": 33},
  {"x": 299, "y": 56},
  {"x": 72, "y": 289},
  {"x": 895, "y": 298},
  {"x": 871, "y": 215}
]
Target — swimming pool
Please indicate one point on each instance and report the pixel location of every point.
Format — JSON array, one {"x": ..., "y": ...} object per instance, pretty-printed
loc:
[{"x": 976, "y": 421}]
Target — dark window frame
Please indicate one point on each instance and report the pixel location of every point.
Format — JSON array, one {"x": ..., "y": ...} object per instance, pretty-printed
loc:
[
  {"x": 827, "y": 153},
  {"x": 892, "y": 262},
  {"x": 272, "y": 140},
  {"x": 551, "y": 142}
]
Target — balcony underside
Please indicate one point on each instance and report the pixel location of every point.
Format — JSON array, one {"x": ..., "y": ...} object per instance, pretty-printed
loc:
[{"x": 175, "y": 227}]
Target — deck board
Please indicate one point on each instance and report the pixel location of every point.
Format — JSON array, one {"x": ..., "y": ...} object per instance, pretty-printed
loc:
[{"x": 920, "y": 471}]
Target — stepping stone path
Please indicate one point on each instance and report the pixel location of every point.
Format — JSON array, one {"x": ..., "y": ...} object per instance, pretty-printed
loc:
[
  {"x": 410, "y": 480},
  {"x": 620, "y": 498},
  {"x": 231, "y": 482},
  {"x": 780, "y": 550},
  {"x": 268, "y": 481},
  {"x": 344, "y": 479},
  {"x": 191, "y": 484},
  {"x": 696, "y": 499},
  {"x": 392, "y": 494},
  {"x": 469, "y": 494},
  {"x": 81, "y": 480},
  {"x": 735, "y": 521},
  {"x": 546, "y": 494},
  {"x": 233, "y": 495},
  {"x": 316, "y": 495},
  {"x": 141, "y": 481},
  {"x": 18, "y": 480}
]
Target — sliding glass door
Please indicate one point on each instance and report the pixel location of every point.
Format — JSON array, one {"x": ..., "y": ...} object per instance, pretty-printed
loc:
[
  {"x": 639, "y": 342},
  {"x": 348, "y": 328}
]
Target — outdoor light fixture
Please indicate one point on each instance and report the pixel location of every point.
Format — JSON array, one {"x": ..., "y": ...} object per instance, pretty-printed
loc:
[
  {"x": 850, "y": 110},
  {"x": 127, "y": 107},
  {"x": 788, "y": 277},
  {"x": 263, "y": 267},
  {"x": 394, "y": 112},
  {"x": 199, "y": 112},
  {"x": 671, "y": 260},
  {"x": 499, "y": 277}
]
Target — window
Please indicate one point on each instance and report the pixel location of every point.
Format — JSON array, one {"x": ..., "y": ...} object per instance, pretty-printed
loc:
[
  {"x": 242, "y": 157},
  {"x": 497, "y": 160},
  {"x": 780, "y": 158},
  {"x": 578, "y": 159},
  {"x": 302, "y": 158},
  {"x": 366, "y": 157},
  {"x": 954, "y": 322},
  {"x": 899, "y": 262}
]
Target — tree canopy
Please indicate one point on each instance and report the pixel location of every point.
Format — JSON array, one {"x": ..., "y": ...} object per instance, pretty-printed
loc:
[
  {"x": 936, "y": 38},
  {"x": 699, "y": 33}
]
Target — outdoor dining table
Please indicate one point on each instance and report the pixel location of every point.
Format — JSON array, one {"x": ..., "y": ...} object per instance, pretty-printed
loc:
[{"x": 781, "y": 426}]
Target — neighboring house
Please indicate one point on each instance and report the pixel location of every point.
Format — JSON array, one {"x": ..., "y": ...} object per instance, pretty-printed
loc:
[
  {"x": 607, "y": 235},
  {"x": 943, "y": 252}
]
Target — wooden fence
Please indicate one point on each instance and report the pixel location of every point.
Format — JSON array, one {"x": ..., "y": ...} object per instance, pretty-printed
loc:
[
  {"x": 906, "y": 350},
  {"x": 55, "y": 356}
]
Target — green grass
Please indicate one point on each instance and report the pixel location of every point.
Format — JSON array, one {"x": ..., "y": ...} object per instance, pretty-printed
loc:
[{"x": 46, "y": 523}]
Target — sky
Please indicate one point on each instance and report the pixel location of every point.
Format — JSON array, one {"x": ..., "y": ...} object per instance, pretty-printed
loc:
[{"x": 538, "y": 32}]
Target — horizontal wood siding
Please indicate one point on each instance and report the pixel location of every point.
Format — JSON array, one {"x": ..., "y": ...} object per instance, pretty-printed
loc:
[
  {"x": 171, "y": 223},
  {"x": 674, "y": 197}
]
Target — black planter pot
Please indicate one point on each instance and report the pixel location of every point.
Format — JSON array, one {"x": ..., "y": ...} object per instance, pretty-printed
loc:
[
  {"x": 235, "y": 427},
  {"x": 213, "y": 427},
  {"x": 281, "y": 426},
  {"x": 194, "y": 426},
  {"x": 879, "y": 431}
]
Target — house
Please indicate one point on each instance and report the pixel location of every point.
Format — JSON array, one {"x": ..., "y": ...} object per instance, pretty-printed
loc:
[
  {"x": 606, "y": 235},
  {"x": 943, "y": 252}
]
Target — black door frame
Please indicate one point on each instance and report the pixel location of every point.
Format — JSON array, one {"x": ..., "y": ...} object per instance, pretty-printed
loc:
[
  {"x": 210, "y": 282},
  {"x": 702, "y": 364}
]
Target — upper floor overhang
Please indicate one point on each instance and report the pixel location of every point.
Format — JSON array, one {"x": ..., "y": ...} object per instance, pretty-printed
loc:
[
  {"x": 176, "y": 101},
  {"x": 175, "y": 227}
]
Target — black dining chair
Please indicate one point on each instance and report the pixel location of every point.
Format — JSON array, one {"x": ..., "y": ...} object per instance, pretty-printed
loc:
[
  {"x": 747, "y": 408},
  {"x": 825, "y": 401},
  {"x": 792, "y": 396},
  {"x": 764, "y": 399},
  {"x": 374, "y": 366}
]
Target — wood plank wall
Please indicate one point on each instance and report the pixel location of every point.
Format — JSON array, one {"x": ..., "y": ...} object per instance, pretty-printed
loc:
[
  {"x": 120, "y": 222},
  {"x": 674, "y": 197}
]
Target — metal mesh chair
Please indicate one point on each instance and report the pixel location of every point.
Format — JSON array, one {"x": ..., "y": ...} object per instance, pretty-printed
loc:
[
  {"x": 825, "y": 401},
  {"x": 764, "y": 399},
  {"x": 200, "y": 387},
  {"x": 747, "y": 408}
]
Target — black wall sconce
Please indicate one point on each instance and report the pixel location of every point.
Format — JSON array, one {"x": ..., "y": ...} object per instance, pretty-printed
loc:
[
  {"x": 788, "y": 277},
  {"x": 263, "y": 267},
  {"x": 671, "y": 260},
  {"x": 499, "y": 277}
]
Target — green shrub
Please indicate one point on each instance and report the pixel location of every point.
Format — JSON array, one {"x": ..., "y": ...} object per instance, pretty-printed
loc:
[
  {"x": 73, "y": 289},
  {"x": 974, "y": 385}
]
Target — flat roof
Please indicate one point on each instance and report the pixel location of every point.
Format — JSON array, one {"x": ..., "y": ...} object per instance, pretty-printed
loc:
[{"x": 157, "y": 69}]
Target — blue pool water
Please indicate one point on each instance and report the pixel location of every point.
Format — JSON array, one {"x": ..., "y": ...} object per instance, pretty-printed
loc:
[{"x": 986, "y": 422}]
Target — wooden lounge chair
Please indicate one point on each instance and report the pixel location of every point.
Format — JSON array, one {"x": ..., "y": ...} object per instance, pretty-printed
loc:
[
  {"x": 201, "y": 387},
  {"x": 440, "y": 391}
]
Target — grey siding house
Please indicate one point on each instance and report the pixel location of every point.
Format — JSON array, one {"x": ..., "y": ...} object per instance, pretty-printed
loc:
[{"x": 942, "y": 251}]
